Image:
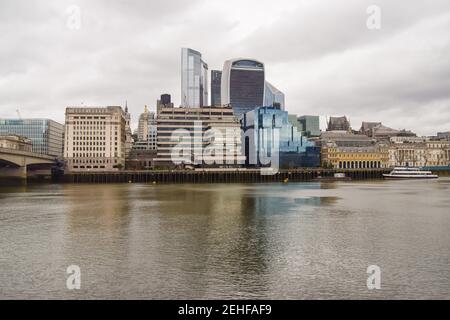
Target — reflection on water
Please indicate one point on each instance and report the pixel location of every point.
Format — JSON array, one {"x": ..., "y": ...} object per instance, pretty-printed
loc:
[{"x": 297, "y": 241}]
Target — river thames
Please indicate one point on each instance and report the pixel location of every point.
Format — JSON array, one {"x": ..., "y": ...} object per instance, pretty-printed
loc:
[{"x": 306, "y": 240}]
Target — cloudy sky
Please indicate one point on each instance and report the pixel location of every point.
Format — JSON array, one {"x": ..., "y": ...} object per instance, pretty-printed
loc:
[{"x": 321, "y": 54}]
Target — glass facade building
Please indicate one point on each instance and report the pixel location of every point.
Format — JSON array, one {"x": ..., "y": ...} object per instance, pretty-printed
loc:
[
  {"x": 46, "y": 135},
  {"x": 273, "y": 96},
  {"x": 310, "y": 125},
  {"x": 216, "y": 77},
  {"x": 243, "y": 85},
  {"x": 268, "y": 132},
  {"x": 194, "y": 79}
]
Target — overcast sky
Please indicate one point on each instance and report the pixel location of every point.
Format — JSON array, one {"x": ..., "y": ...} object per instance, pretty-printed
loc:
[{"x": 321, "y": 54}]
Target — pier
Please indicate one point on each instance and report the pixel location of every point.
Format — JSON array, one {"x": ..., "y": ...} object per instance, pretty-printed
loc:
[{"x": 216, "y": 176}]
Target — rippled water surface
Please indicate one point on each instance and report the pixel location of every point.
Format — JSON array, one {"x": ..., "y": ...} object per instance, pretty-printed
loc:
[{"x": 294, "y": 241}]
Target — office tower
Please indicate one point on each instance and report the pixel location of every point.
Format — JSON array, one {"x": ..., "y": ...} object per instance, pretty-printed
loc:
[
  {"x": 242, "y": 85},
  {"x": 269, "y": 133},
  {"x": 194, "y": 79},
  {"x": 46, "y": 135},
  {"x": 95, "y": 138},
  {"x": 198, "y": 129},
  {"x": 216, "y": 77},
  {"x": 166, "y": 99},
  {"x": 273, "y": 96},
  {"x": 310, "y": 125}
]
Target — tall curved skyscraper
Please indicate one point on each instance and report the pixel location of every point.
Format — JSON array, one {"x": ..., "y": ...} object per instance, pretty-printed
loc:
[
  {"x": 243, "y": 84},
  {"x": 194, "y": 79}
]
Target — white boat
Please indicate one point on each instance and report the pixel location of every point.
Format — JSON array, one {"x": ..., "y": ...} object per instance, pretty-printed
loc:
[{"x": 409, "y": 173}]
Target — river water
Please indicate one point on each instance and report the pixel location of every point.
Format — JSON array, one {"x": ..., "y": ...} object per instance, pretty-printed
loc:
[{"x": 205, "y": 241}]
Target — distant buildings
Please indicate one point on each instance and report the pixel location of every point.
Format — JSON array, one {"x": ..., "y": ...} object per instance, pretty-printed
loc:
[
  {"x": 270, "y": 137},
  {"x": 95, "y": 138},
  {"x": 165, "y": 101},
  {"x": 216, "y": 77},
  {"x": 380, "y": 132},
  {"x": 128, "y": 133},
  {"x": 46, "y": 135},
  {"x": 147, "y": 128},
  {"x": 15, "y": 142},
  {"x": 338, "y": 124},
  {"x": 273, "y": 97},
  {"x": 443, "y": 135},
  {"x": 367, "y": 128},
  {"x": 243, "y": 85},
  {"x": 195, "y": 137},
  {"x": 194, "y": 79},
  {"x": 143, "y": 151},
  {"x": 309, "y": 125},
  {"x": 345, "y": 139}
]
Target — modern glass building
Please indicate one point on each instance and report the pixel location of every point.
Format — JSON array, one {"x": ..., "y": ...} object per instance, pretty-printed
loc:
[
  {"x": 243, "y": 85},
  {"x": 216, "y": 77},
  {"x": 310, "y": 125},
  {"x": 268, "y": 132},
  {"x": 273, "y": 96},
  {"x": 194, "y": 79},
  {"x": 46, "y": 135}
]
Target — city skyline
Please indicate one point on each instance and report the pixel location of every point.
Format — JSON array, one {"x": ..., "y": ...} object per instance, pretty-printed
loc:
[{"x": 397, "y": 75}]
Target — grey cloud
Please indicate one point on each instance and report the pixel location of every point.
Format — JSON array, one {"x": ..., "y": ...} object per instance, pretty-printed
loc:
[{"x": 319, "y": 53}]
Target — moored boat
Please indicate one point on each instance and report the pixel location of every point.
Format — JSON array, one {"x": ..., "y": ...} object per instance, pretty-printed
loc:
[{"x": 409, "y": 173}]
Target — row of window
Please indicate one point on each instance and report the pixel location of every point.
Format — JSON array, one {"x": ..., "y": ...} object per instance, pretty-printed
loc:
[
  {"x": 93, "y": 161},
  {"x": 359, "y": 164},
  {"x": 91, "y": 155}
]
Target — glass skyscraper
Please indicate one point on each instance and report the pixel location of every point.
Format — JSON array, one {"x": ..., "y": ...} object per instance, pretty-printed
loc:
[
  {"x": 273, "y": 96},
  {"x": 46, "y": 135},
  {"x": 268, "y": 132},
  {"x": 194, "y": 79},
  {"x": 243, "y": 85},
  {"x": 216, "y": 77}
]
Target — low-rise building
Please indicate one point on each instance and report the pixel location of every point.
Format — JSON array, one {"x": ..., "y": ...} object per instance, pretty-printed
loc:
[
  {"x": 15, "y": 142},
  {"x": 427, "y": 153},
  {"x": 345, "y": 157}
]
